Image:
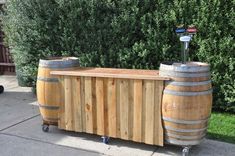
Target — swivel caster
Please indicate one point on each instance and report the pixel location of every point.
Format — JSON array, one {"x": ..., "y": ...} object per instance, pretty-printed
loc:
[
  {"x": 185, "y": 151},
  {"x": 1, "y": 89},
  {"x": 105, "y": 139},
  {"x": 45, "y": 128}
]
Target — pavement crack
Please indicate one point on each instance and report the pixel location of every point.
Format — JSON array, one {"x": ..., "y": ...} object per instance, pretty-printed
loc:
[
  {"x": 154, "y": 152},
  {"x": 19, "y": 122}
]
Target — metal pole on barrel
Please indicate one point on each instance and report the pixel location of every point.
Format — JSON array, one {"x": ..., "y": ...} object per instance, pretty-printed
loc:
[
  {"x": 180, "y": 31},
  {"x": 185, "y": 38}
]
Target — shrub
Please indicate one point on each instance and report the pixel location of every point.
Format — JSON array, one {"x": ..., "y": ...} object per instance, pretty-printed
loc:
[{"x": 124, "y": 34}]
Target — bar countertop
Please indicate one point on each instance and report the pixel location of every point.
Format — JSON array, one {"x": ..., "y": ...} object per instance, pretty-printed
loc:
[{"x": 113, "y": 73}]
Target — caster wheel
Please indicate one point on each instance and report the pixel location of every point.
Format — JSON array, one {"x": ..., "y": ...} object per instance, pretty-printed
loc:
[
  {"x": 105, "y": 140},
  {"x": 185, "y": 151},
  {"x": 1, "y": 89},
  {"x": 45, "y": 128}
]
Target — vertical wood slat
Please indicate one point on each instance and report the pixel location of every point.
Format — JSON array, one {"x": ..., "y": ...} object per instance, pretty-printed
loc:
[
  {"x": 130, "y": 109},
  {"x": 94, "y": 105},
  {"x": 143, "y": 117},
  {"x": 69, "y": 124},
  {"x": 124, "y": 109},
  {"x": 88, "y": 105},
  {"x": 149, "y": 108},
  {"x": 4, "y": 54},
  {"x": 82, "y": 96},
  {"x": 120, "y": 108},
  {"x": 137, "y": 110},
  {"x": 5, "y": 57},
  {"x": 158, "y": 129},
  {"x": 100, "y": 106},
  {"x": 112, "y": 107},
  {"x": 118, "y": 127},
  {"x": 106, "y": 123},
  {"x": 76, "y": 81},
  {"x": 61, "y": 121}
]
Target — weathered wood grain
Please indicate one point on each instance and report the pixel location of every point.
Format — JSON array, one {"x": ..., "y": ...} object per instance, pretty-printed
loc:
[
  {"x": 88, "y": 105},
  {"x": 100, "y": 105},
  {"x": 138, "y": 102},
  {"x": 120, "y": 108},
  {"x": 112, "y": 107},
  {"x": 149, "y": 108},
  {"x": 114, "y": 73},
  {"x": 77, "y": 105},
  {"x": 69, "y": 124}
]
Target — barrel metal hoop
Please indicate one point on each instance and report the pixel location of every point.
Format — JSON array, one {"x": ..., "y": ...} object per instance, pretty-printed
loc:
[
  {"x": 188, "y": 122},
  {"x": 178, "y": 93},
  {"x": 185, "y": 137},
  {"x": 185, "y": 130},
  {"x": 175, "y": 83},
  {"x": 47, "y": 79},
  {"x": 183, "y": 143},
  {"x": 58, "y": 61},
  {"x": 59, "y": 66},
  {"x": 48, "y": 107},
  {"x": 183, "y": 75}
]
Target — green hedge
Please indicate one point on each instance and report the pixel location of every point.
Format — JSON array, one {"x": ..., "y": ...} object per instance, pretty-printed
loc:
[{"x": 124, "y": 34}]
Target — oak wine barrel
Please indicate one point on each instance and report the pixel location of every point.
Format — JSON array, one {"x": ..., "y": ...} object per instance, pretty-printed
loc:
[
  {"x": 48, "y": 86},
  {"x": 186, "y": 103}
]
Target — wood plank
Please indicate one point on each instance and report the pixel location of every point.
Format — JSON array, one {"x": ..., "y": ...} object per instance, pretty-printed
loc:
[
  {"x": 113, "y": 73},
  {"x": 69, "y": 124},
  {"x": 143, "y": 121},
  {"x": 88, "y": 105},
  {"x": 118, "y": 125},
  {"x": 82, "y": 95},
  {"x": 4, "y": 53},
  {"x": 106, "y": 123},
  {"x": 137, "y": 110},
  {"x": 77, "y": 104},
  {"x": 130, "y": 109},
  {"x": 7, "y": 64},
  {"x": 112, "y": 110},
  {"x": 61, "y": 114},
  {"x": 100, "y": 105},
  {"x": 94, "y": 105},
  {"x": 158, "y": 127},
  {"x": 149, "y": 108},
  {"x": 124, "y": 108}
]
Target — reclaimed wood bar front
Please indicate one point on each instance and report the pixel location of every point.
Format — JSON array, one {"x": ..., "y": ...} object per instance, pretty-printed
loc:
[{"x": 118, "y": 103}]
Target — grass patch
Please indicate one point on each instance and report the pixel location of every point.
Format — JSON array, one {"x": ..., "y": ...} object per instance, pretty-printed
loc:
[{"x": 222, "y": 127}]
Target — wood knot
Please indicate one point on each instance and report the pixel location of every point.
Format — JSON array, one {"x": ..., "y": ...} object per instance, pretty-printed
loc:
[{"x": 88, "y": 106}]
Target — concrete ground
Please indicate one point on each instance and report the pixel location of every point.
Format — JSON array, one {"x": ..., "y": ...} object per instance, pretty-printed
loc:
[{"x": 21, "y": 134}]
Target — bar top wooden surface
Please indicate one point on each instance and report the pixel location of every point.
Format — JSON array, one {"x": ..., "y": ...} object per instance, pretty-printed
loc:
[{"x": 113, "y": 73}]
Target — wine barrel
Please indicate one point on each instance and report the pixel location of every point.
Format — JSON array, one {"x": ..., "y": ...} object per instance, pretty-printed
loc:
[
  {"x": 186, "y": 103},
  {"x": 48, "y": 86}
]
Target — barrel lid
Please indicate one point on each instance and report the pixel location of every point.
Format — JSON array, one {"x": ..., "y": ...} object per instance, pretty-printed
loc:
[
  {"x": 187, "y": 67},
  {"x": 60, "y": 62}
]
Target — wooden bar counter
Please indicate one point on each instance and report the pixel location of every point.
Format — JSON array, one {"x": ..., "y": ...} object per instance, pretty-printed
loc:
[{"x": 119, "y": 103}]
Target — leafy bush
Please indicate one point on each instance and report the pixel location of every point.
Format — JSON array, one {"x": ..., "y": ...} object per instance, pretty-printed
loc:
[{"x": 124, "y": 34}]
